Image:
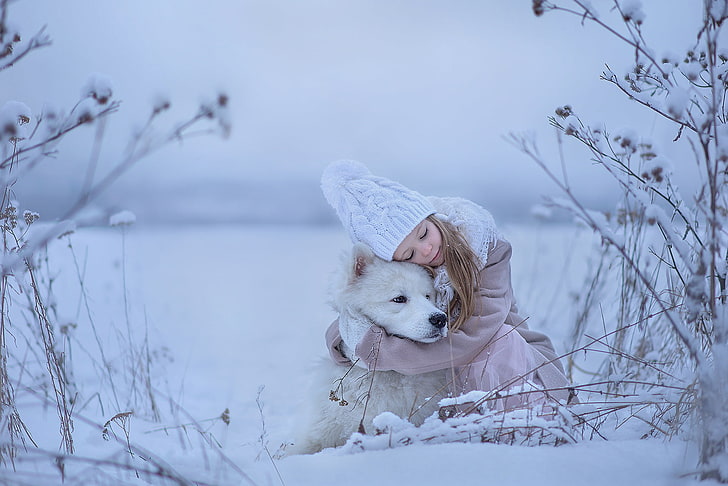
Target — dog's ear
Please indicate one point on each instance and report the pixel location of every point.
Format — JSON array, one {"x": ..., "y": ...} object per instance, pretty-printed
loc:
[{"x": 363, "y": 256}]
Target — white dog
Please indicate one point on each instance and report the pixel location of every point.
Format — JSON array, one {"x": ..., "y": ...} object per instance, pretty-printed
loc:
[{"x": 397, "y": 297}]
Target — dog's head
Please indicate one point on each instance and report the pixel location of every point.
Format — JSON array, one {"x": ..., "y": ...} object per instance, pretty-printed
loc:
[{"x": 396, "y": 296}]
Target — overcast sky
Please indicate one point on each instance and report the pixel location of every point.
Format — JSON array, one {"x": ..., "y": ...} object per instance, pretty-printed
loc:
[{"x": 422, "y": 91}]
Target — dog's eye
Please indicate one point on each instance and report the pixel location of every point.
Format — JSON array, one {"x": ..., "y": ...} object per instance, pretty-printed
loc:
[
  {"x": 400, "y": 299},
  {"x": 427, "y": 296}
]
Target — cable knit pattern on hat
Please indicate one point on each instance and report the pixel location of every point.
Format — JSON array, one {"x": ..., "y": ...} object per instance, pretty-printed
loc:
[{"x": 374, "y": 210}]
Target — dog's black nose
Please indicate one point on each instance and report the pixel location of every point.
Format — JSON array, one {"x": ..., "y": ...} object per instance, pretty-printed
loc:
[{"x": 438, "y": 320}]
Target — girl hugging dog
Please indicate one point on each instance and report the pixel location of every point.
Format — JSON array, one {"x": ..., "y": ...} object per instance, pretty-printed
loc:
[{"x": 489, "y": 345}]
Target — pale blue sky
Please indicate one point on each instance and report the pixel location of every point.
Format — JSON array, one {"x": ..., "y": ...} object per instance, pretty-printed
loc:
[{"x": 421, "y": 91}]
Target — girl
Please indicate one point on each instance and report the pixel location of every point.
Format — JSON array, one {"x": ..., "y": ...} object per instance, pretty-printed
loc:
[{"x": 489, "y": 346}]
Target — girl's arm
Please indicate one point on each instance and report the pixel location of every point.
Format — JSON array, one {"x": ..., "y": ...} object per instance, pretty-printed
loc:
[{"x": 382, "y": 351}]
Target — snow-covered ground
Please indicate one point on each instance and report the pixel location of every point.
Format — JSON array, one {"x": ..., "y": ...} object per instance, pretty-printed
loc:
[{"x": 234, "y": 316}]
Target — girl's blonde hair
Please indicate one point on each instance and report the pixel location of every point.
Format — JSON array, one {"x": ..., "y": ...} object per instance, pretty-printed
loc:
[{"x": 461, "y": 263}]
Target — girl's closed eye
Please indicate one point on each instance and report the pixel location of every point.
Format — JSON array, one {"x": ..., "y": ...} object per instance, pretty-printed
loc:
[{"x": 424, "y": 234}]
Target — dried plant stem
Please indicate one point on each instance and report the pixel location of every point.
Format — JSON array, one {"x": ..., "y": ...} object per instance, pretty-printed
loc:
[
  {"x": 31, "y": 359},
  {"x": 263, "y": 435},
  {"x": 689, "y": 342},
  {"x": 54, "y": 365},
  {"x": 10, "y": 419},
  {"x": 106, "y": 364},
  {"x": 691, "y": 92},
  {"x": 39, "y": 40}
]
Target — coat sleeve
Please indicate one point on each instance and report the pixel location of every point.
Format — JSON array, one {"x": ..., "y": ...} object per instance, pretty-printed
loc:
[{"x": 382, "y": 351}]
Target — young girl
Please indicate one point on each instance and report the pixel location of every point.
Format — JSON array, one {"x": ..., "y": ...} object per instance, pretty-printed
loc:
[{"x": 489, "y": 345}]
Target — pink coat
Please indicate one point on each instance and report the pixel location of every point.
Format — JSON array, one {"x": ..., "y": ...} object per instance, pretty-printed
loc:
[{"x": 493, "y": 349}]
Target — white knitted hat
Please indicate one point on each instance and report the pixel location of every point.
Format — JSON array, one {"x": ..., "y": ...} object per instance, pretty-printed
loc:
[{"x": 375, "y": 211}]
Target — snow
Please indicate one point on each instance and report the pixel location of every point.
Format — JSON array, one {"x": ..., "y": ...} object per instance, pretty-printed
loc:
[
  {"x": 603, "y": 463},
  {"x": 632, "y": 11},
  {"x": 627, "y": 138},
  {"x": 691, "y": 70},
  {"x": 671, "y": 58},
  {"x": 52, "y": 120},
  {"x": 588, "y": 7},
  {"x": 540, "y": 211},
  {"x": 14, "y": 119},
  {"x": 677, "y": 103},
  {"x": 122, "y": 218},
  {"x": 472, "y": 396},
  {"x": 39, "y": 232},
  {"x": 657, "y": 169},
  {"x": 99, "y": 87},
  {"x": 86, "y": 110},
  {"x": 161, "y": 102},
  {"x": 235, "y": 317},
  {"x": 717, "y": 9}
]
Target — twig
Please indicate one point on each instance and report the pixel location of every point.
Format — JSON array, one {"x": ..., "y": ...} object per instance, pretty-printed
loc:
[{"x": 263, "y": 434}]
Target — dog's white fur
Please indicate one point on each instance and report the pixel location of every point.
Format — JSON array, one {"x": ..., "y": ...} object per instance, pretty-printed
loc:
[{"x": 398, "y": 297}]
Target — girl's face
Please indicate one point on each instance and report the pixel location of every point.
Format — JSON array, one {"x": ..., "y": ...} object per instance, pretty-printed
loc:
[{"x": 422, "y": 246}]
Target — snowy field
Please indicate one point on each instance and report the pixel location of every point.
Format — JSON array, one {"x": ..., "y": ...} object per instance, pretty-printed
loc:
[{"x": 234, "y": 315}]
